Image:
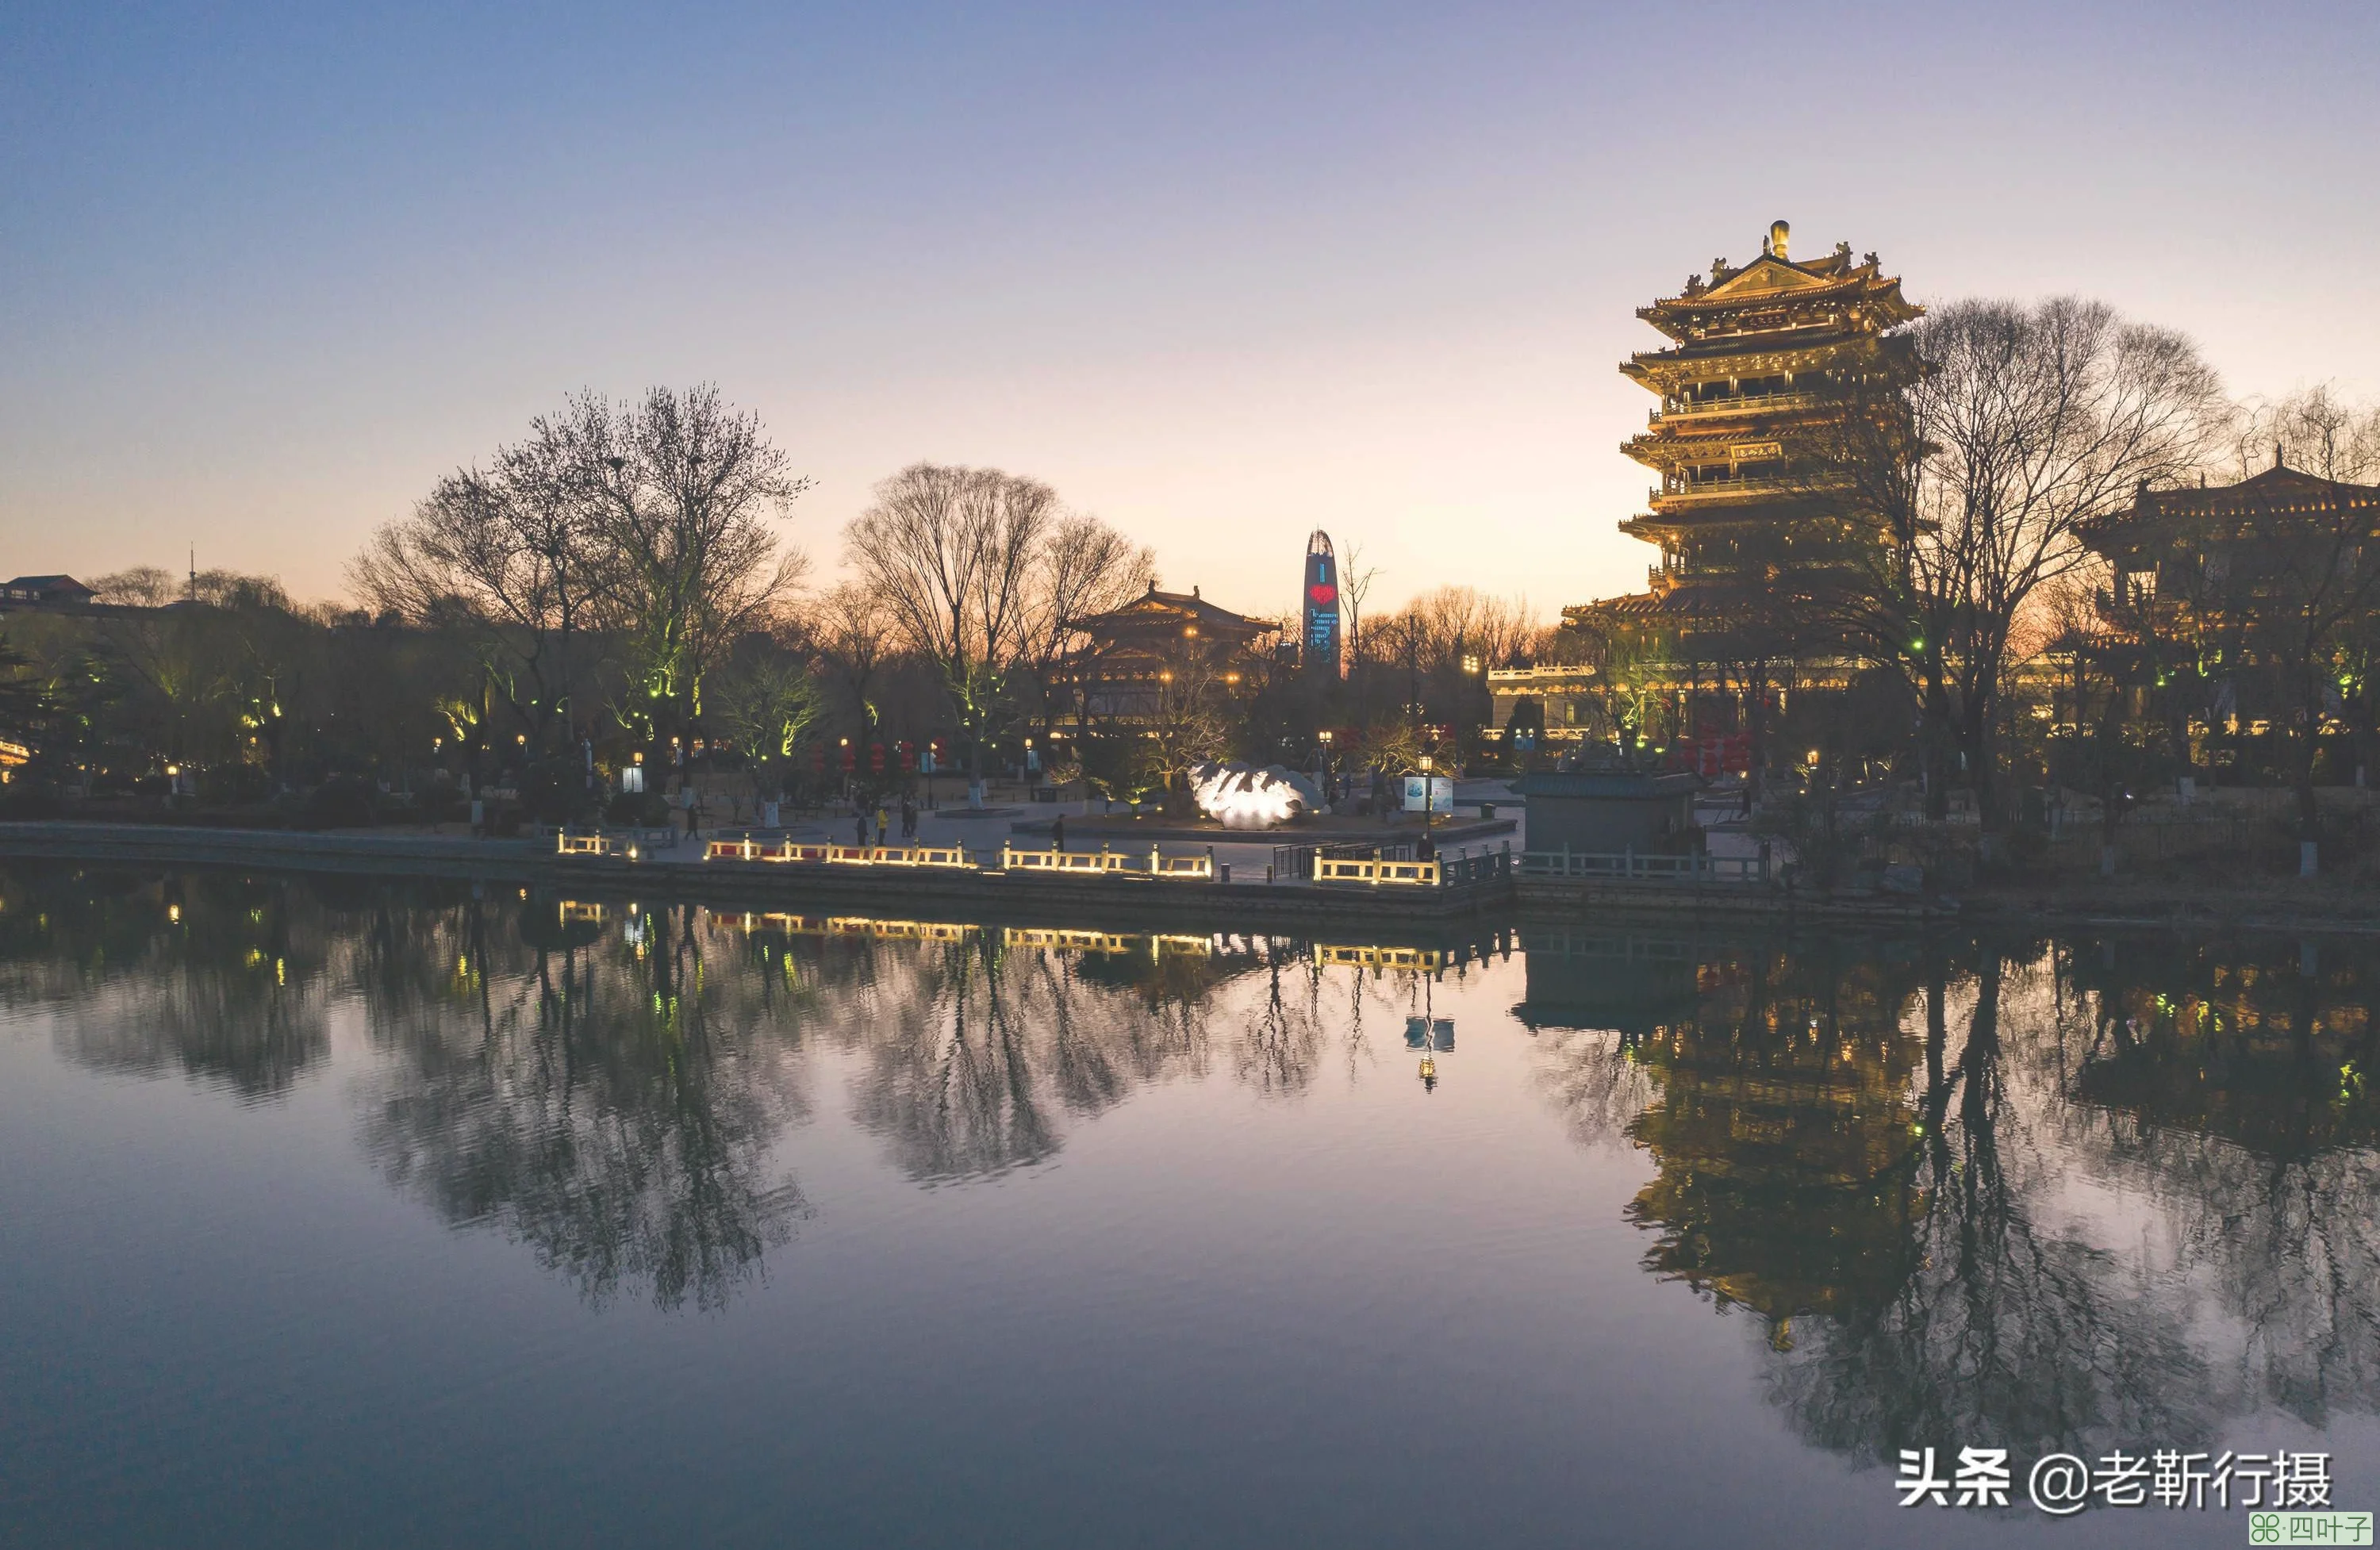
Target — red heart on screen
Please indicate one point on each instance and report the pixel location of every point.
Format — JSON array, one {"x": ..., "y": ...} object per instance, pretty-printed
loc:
[{"x": 1323, "y": 594}]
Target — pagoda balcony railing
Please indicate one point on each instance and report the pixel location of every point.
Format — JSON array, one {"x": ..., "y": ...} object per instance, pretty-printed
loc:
[
  {"x": 1718, "y": 484},
  {"x": 1735, "y": 486},
  {"x": 1740, "y": 404}
]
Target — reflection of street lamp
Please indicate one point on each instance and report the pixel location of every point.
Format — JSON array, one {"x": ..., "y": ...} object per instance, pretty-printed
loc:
[{"x": 1428, "y": 808}]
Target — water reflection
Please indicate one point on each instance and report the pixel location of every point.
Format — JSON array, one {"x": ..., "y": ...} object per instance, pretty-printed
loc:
[
  {"x": 604, "y": 1099},
  {"x": 1914, "y": 1164},
  {"x": 606, "y": 1083},
  {"x": 2046, "y": 1196},
  {"x": 213, "y": 977},
  {"x": 2231, "y": 1084}
]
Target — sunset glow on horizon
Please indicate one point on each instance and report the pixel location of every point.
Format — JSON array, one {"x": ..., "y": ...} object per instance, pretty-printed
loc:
[{"x": 1221, "y": 276}]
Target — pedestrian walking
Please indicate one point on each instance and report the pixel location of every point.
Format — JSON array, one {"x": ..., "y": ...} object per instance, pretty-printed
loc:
[
  {"x": 1058, "y": 832},
  {"x": 908, "y": 820},
  {"x": 862, "y": 840},
  {"x": 883, "y": 824}
]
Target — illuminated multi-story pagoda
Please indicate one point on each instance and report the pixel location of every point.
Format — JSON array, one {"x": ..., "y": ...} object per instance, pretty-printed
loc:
[{"x": 1766, "y": 357}]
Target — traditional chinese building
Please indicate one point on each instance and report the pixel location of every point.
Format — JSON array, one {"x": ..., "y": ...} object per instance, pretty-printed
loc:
[
  {"x": 1765, "y": 360},
  {"x": 2195, "y": 554},
  {"x": 1133, "y": 659},
  {"x": 2216, "y": 591}
]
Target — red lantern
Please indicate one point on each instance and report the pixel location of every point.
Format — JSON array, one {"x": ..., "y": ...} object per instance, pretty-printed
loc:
[
  {"x": 876, "y": 759},
  {"x": 849, "y": 762},
  {"x": 908, "y": 758},
  {"x": 818, "y": 762}
]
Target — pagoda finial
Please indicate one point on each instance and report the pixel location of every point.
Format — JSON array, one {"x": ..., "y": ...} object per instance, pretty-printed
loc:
[
  {"x": 1778, "y": 232},
  {"x": 2276, "y": 454}
]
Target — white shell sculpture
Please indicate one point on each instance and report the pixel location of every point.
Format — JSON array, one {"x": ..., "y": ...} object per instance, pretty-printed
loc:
[{"x": 1244, "y": 797}]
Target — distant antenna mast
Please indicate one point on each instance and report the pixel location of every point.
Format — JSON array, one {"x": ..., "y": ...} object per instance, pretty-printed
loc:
[{"x": 191, "y": 591}]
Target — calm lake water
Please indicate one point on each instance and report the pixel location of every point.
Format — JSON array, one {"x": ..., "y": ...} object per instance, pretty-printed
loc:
[{"x": 350, "y": 1213}]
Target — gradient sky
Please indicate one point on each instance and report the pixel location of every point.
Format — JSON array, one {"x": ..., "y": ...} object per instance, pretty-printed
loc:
[{"x": 1220, "y": 273}]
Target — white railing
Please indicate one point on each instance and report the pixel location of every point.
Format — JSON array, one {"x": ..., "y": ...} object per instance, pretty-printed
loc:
[
  {"x": 846, "y": 926},
  {"x": 1643, "y": 866},
  {"x": 1413, "y": 874},
  {"x": 1737, "y": 403},
  {"x": 1063, "y": 941},
  {"x": 1100, "y": 860},
  {"x": 897, "y": 930},
  {"x": 1104, "y": 861},
  {"x": 1427, "y": 960},
  {"x": 631, "y": 844},
  {"x": 789, "y": 852}
]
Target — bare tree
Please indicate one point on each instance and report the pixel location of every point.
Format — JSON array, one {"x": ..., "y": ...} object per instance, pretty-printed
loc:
[
  {"x": 854, "y": 634},
  {"x": 2025, "y": 425},
  {"x": 2315, "y": 430},
  {"x": 949, "y": 551},
  {"x": 768, "y": 699},
  {"x": 1355, "y": 580},
  {"x": 138, "y": 587},
  {"x": 510, "y": 552},
  {"x": 684, "y": 488}
]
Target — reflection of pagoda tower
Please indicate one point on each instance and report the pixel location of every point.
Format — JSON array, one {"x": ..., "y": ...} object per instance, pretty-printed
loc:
[
  {"x": 1782, "y": 1110},
  {"x": 1322, "y": 638},
  {"x": 1763, "y": 358}
]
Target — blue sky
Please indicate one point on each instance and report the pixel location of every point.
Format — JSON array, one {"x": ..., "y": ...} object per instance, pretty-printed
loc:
[{"x": 1220, "y": 273}]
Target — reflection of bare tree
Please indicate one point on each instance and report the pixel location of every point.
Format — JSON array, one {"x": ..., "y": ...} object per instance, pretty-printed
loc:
[
  {"x": 978, "y": 1051},
  {"x": 612, "y": 1108},
  {"x": 2002, "y": 1329},
  {"x": 975, "y": 1049},
  {"x": 213, "y": 976},
  {"x": 1594, "y": 1078},
  {"x": 2227, "y": 1080},
  {"x": 952, "y": 1084},
  {"x": 1284, "y": 1036},
  {"x": 1876, "y": 1196},
  {"x": 2290, "y": 1250}
]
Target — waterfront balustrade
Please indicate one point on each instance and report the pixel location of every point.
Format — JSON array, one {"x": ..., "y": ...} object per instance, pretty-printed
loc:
[
  {"x": 1419, "y": 874},
  {"x": 1103, "y": 860},
  {"x": 1643, "y": 866},
  {"x": 793, "y": 852},
  {"x": 1381, "y": 867},
  {"x": 628, "y": 842}
]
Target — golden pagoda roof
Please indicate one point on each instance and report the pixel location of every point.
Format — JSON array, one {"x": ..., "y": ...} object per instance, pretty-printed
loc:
[
  {"x": 2278, "y": 492},
  {"x": 1768, "y": 279},
  {"x": 2278, "y": 488},
  {"x": 1159, "y": 610}
]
